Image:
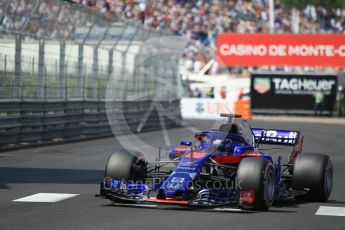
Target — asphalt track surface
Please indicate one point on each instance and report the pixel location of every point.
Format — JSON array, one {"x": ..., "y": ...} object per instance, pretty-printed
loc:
[{"x": 77, "y": 168}]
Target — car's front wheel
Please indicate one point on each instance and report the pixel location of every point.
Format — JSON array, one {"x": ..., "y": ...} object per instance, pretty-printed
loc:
[
  {"x": 257, "y": 174},
  {"x": 126, "y": 166}
]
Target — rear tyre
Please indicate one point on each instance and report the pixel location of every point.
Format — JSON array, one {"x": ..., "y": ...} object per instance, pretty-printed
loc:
[
  {"x": 257, "y": 174},
  {"x": 314, "y": 172},
  {"x": 126, "y": 166}
]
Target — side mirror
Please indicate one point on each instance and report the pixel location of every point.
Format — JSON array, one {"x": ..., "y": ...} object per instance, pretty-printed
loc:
[{"x": 186, "y": 143}]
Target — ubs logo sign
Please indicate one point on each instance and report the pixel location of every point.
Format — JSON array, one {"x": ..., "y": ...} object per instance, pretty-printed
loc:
[
  {"x": 199, "y": 107},
  {"x": 262, "y": 85}
]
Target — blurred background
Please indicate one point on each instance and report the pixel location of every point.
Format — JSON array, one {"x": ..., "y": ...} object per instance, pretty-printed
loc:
[{"x": 57, "y": 57}]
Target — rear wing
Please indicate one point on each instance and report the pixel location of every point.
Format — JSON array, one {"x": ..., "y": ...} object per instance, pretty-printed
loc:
[{"x": 276, "y": 137}]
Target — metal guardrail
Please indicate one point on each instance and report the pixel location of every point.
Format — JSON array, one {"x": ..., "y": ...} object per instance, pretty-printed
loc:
[
  {"x": 55, "y": 71},
  {"x": 38, "y": 123}
]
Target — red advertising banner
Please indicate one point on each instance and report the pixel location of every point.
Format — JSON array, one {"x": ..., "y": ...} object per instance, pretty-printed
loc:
[{"x": 281, "y": 50}]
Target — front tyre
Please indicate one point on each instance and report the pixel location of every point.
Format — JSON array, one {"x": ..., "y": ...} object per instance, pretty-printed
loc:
[
  {"x": 257, "y": 174},
  {"x": 126, "y": 166},
  {"x": 314, "y": 172}
]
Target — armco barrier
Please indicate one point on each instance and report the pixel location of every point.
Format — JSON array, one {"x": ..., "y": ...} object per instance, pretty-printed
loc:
[{"x": 37, "y": 123}]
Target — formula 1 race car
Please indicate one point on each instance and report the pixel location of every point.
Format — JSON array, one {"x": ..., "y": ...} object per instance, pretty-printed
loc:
[{"x": 226, "y": 167}]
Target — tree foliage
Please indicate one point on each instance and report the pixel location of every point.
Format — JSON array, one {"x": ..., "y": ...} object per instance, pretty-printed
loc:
[{"x": 301, "y": 4}]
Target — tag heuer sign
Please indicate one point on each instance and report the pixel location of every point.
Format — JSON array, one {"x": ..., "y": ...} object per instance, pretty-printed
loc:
[
  {"x": 291, "y": 93},
  {"x": 262, "y": 85}
]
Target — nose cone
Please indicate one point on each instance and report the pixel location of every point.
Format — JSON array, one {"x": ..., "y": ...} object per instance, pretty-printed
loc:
[{"x": 177, "y": 184}]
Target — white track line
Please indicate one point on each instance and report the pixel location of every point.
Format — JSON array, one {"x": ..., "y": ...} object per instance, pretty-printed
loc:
[
  {"x": 46, "y": 197},
  {"x": 137, "y": 205},
  {"x": 330, "y": 211},
  {"x": 227, "y": 210}
]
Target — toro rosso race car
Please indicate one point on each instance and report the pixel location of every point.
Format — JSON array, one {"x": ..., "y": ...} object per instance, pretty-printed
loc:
[{"x": 225, "y": 167}]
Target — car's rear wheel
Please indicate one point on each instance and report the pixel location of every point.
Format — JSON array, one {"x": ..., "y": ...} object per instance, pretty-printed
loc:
[
  {"x": 257, "y": 174},
  {"x": 313, "y": 172}
]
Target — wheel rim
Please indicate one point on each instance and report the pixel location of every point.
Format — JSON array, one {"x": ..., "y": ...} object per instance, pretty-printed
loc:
[
  {"x": 270, "y": 186},
  {"x": 328, "y": 179}
]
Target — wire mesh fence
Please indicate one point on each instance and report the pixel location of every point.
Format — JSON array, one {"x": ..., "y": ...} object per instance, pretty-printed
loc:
[
  {"x": 55, "y": 50},
  {"x": 65, "y": 69}
]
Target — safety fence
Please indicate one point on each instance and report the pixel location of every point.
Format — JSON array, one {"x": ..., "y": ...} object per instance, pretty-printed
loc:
[
  {"x": 65, "y": 69},
  {"x": 36, "y": 123}
]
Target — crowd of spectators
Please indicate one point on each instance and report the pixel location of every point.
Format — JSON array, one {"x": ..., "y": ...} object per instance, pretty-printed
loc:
[
  {"x": 204, "y": 19},
  {"x": 198, "y": 20},
  {"x": 201, "y": 20},
  {"x": 43, "y": 20}
]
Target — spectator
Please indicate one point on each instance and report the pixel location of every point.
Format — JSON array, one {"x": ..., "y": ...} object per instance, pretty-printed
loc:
[
  {"x": 319, "y": 98},
  {"x": 197, "y": 93},
  {"x": 222, "y": 92},
  {"x": 210, "y": 93},
  {"x": 341, "y": 102},
  {"x": 240, "y": 94}
]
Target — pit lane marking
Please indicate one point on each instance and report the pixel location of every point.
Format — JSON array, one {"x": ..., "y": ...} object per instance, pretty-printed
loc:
[
  {"x": 46, "y": 197},
  {"x": 330, "y": 211}
]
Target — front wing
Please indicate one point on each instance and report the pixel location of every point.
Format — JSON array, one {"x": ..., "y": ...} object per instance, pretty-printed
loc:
[{"x": 131, "y": 193}]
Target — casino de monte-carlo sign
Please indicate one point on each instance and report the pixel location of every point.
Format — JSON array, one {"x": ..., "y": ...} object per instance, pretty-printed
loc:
[{"x": 281, "y": 50}]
